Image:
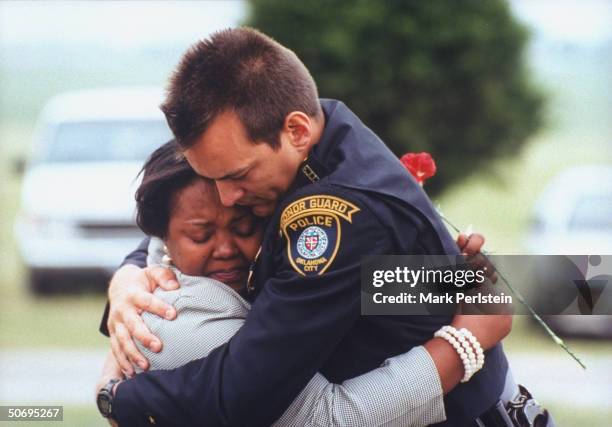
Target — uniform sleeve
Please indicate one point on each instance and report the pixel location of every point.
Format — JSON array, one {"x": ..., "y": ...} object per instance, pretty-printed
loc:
[
  {"x": 405, "y": 390},
  {"x": 138, "y": 257},
  {"x": 299, "y": 318}
]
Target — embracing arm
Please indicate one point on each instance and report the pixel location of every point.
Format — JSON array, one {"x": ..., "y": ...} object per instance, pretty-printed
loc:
[{"x": 406, "y": 390}]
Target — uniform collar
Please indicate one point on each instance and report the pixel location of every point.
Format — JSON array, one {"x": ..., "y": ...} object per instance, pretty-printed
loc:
[{"x": 325, "y": 149}]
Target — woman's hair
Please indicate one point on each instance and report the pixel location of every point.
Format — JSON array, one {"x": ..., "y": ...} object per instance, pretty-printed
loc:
[{"x": 164, "y": 174}]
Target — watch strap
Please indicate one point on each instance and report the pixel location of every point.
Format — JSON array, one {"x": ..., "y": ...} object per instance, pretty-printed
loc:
[{"x": 106, "y": 392}]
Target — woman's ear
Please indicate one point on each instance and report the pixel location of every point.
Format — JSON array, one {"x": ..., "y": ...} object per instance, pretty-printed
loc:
[{"x": 298, "y": 128}]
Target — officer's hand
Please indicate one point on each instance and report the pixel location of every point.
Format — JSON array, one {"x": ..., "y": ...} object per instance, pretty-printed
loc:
[
  {"x": 110, "y": 370},
  {"x": 129, "y": 294},
  {"x": 471, "y": 246}
]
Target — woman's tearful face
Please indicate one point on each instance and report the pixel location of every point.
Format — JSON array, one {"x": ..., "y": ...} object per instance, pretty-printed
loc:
[{"x": 204, "y": 238}]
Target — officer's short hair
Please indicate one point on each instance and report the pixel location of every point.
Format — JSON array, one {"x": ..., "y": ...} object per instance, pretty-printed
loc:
[
  {"x": 164, "y": 174},
  {"x": 240, "y": 70}
]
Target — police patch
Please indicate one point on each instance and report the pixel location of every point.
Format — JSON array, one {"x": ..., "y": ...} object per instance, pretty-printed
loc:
[
  {"x": 312, "y": 243},
  {"x": 312, "y": 227}
]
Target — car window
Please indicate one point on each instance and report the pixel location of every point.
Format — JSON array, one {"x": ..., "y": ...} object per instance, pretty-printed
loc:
[
  {"x": 106, "y": 141},
  {"x": 593, "y": 212}
]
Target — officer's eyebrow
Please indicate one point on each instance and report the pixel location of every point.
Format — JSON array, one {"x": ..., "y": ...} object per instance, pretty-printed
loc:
[{"x": 234, "y": 174}]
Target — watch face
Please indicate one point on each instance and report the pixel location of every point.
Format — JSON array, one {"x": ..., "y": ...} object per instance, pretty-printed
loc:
[{"x": 104, "y": 405}]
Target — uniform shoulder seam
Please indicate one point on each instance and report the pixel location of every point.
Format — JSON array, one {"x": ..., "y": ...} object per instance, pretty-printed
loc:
[{"x": 359, "y": 197}]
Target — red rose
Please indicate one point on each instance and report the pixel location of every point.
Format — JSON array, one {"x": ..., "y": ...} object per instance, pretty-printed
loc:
[{"x": 420, "y": 165}]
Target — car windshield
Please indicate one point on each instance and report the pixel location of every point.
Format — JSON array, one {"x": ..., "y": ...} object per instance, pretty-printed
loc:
[
  {"x": 106, "y": 141},
  {"x": 593, "y": 212}
]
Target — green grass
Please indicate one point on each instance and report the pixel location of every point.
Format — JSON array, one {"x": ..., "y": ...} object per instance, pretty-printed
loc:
[
  {"x": 57, "y": 322},
  {"x": 529, "y": 337},
  {"x": 74, "y": 416},
  {"x": 566, "y": 416}
]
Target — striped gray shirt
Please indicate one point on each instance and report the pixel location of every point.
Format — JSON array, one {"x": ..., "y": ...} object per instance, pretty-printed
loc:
[{"x": 404, "y": 391}]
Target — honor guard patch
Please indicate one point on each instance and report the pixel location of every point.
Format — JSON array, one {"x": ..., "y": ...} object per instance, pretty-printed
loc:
[{"x": 313, "y": 229}]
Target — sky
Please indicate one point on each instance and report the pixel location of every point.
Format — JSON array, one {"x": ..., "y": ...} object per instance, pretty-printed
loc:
[
  {"x": 135, "y": 23},
  {"x": 583, "y": 22},
  {"x": 124, "y": 23}
]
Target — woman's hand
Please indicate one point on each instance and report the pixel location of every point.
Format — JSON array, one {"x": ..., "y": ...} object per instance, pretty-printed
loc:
[
  {"x": 471, "y": 246},
  {"x": 488, "y": 330},
  {"x": 130, "y": 293}
]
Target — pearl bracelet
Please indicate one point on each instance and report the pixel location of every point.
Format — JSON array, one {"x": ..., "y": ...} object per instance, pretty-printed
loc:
[
  {"x": 467, "y": 366},
  {"x": 467, "y": 347},
  {"x": 464, "y": 341},
  {"x": 477, "y": 348}
]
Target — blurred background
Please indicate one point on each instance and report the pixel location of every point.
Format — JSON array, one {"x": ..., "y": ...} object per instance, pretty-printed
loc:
[{"x": 513, "y": 99}]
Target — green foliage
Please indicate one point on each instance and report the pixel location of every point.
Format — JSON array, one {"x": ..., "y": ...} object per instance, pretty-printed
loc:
[{"x": 444, "y": 76}]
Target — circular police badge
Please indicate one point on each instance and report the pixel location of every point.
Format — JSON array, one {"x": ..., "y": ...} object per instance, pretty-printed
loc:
[{"x": 312, "y": 243}]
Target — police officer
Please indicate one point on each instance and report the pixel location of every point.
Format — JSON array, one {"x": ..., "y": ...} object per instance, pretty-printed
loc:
[{"x": 247, "y": 115}]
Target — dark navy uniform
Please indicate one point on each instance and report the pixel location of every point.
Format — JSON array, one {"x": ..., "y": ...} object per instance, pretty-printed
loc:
[{"x": 351, "y": 198}]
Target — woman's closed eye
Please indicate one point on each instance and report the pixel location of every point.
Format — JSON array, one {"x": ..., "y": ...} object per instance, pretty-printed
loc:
[
  {"x": 200, "y": 238},
  {"x": 245, "y": 227}
]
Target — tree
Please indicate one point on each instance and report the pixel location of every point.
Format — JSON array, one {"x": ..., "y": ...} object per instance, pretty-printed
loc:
[{"x": 447, "y": 77}]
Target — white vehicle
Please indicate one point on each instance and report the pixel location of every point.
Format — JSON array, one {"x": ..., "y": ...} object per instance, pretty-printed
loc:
[
  {"x": 574, "y": 213},
  {"x": 573, "y": 216},
  {"x": 77, "y": 213}
]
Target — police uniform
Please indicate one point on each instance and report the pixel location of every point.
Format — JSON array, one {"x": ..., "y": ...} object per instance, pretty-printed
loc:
[{"x": 350, "y": 198}]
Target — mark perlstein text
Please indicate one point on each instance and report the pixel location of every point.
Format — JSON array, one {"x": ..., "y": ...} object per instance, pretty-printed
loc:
[{"x": 430, "y": 298}]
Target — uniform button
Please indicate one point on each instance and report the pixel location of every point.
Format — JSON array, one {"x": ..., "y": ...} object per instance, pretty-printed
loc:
[{"x": 151, "y": 419}]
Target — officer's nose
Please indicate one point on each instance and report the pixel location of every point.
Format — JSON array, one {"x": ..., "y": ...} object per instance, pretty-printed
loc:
[
  {"x": 225, "y": 246},
  {"x": 229, "y": 192}
]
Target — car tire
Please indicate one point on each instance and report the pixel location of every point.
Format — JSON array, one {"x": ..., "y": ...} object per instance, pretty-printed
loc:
[
  {"x": 52, "y": 282},
  {"x": 40, "y": 282}
]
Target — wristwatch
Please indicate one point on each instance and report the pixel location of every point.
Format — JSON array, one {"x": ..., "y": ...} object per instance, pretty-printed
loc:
[{"x": 105, "y": 399}]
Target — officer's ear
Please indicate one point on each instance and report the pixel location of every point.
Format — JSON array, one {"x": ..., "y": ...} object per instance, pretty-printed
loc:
[{"x": 299, "y": 130}]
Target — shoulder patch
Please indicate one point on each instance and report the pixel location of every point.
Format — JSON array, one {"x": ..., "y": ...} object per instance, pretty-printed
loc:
[{"x": 312, "y": 227}]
